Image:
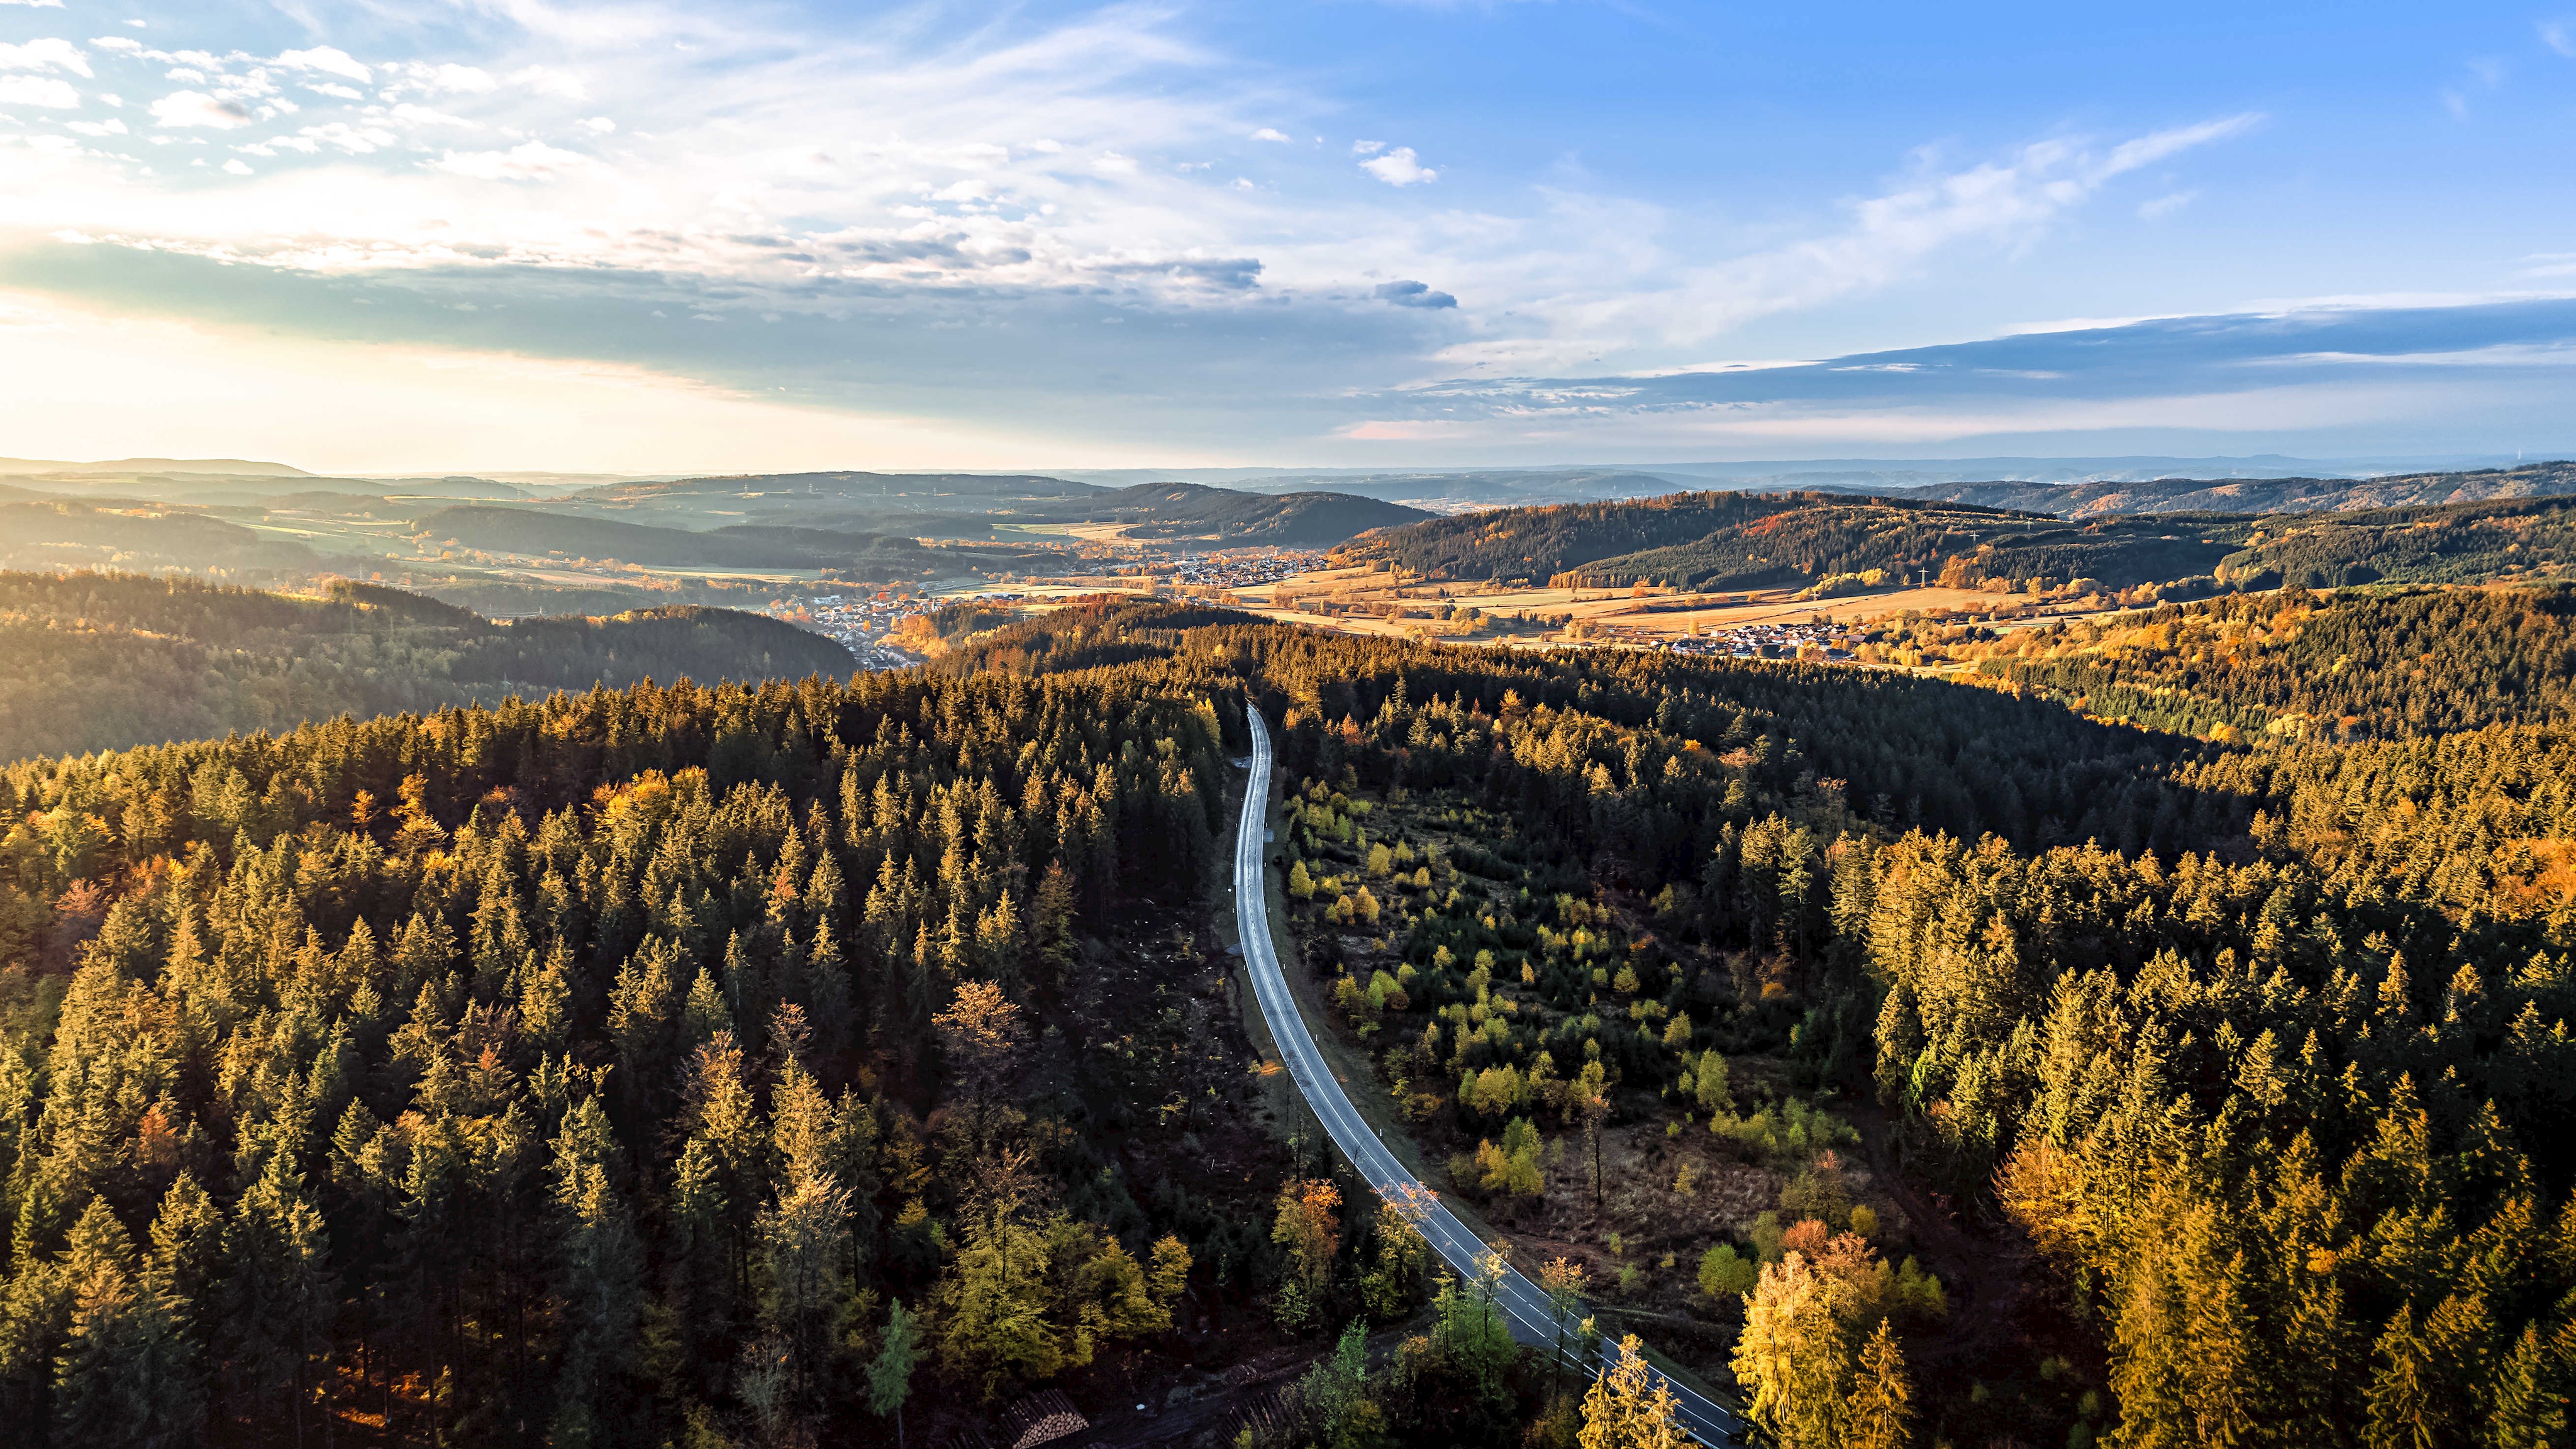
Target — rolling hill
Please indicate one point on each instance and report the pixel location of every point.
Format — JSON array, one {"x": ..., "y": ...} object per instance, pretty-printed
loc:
[
  {"x": 105, "y": 661},
  {"x": 530, "y": 531},
  {"x": 2264, "y": 495},
  {"x": 1195, "y": 510},
  {"x": 57, "y": 533},
  {"x": 1956, "y": 543}
]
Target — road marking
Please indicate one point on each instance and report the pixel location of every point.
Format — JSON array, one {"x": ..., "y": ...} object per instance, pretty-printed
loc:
[{"x": 1523, "y": 1304}]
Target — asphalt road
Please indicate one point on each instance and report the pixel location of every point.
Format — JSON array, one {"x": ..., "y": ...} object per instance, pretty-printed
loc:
[{"x": 1519, "y": 1298}]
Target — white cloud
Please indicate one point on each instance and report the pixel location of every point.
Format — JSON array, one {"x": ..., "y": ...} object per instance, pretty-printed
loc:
[
  {"x": 530, "y": 161},
  {"x": 1367, "y": 148},
  {"x": 124, "y": 43},
  {"x": 2559, "y": 36},
  {"x": 195, "y": 108},
  {"x": 1110, "y": 163},
  {"x": 547, "y": 80},
  {"x": 413, "y": 115},
  {"x": 109, "y": 127},
  {"x": 237, "y": 167},
  {"x": 330, "y": 60},
  {"x": 50, "y": 54},
  {"x": 350, "y": 140},
  {"x": 335, "y": 90},
  {"x": 32, "y": 90},
  {"x": 1599, "y": 296},
  {"x": 444, "y": 79},
  {"x": 597, "y": 125},
  {"x": 36, "y": 4},
  {"x": 1269, "y": 133},
  {"x": 1399, "y": 167},
  {"x": 2166, "y": 205}
]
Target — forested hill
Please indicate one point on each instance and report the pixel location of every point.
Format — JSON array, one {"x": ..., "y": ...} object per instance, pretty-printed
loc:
[
  {"x": 2266, "y": 495},
  {"x": 723, "y": 1066},
  {"x": 2458, "y": 543},
  {"x": 531, "y": 531},
  {"x": 1287, "y": 520},
  {"x": 49, "y": 533},
  {"x": 2346, "y": 665},
  {"x": 1770, "y": 540},
  {"x": 103, "y": 661},
  {"x": 1537, "y": 543},
  {"x": 1956, "y": 545}
]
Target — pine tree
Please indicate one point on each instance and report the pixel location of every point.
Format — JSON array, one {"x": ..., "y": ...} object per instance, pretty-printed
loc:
[
  {"x": 1629, "y": 1407},
  {"x": 597, "y": 1266},
  {"x": 1882, "y": 1409},
  {"x": 890, "y": 1372}
]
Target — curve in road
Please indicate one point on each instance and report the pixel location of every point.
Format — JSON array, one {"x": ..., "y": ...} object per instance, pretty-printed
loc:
[{"x": 1521, "y": 1300}]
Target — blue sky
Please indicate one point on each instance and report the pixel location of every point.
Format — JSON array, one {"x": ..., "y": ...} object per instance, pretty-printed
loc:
[{"x": 662, "y": 236}]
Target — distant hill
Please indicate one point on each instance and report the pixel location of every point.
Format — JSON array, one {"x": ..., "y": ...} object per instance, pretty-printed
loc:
[
  {"x": 1778, "y": 540},
  {"x": 1955, "y": 543},
  {"x": 226, "y": 467},
  {"x": 2264, "y": 495},
  {"x": 1481, "y": 488},
  {"x": 529, "y": 531},
  {"x": 58, "y": 533},
  {"x": 1195, "y": 510},
  {"x": 929, "y": 492},
  {"x": 103, "y": 661},
  {"x": 2459, "y": 544}
]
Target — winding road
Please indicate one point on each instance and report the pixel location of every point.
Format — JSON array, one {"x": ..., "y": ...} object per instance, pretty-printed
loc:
[{"x": 1521, "y": 1300}]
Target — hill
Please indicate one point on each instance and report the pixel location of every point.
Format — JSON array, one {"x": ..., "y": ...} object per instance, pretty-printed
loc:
[
  {"x": 223, "y": 467},
  {"x": 2458, "y": 543},
  {"x": 1537, "y": 543},
  {"x": 925, "y": 492},
  {"x": 2264, "y": 495},
  {"x": 103, "y": 661},
  {"x": 1195, "y": 510},
  {"x": 1884, "y": 542},
  {"x": 531, "y": 531},
  {"x": 2351, "y": 665},
  {"x": 55, "y": 533},
  {"x": 1775, "y": 540}
]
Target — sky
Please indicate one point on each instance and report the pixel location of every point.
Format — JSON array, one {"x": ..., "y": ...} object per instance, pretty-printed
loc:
[{"x": 647, "y": 236}]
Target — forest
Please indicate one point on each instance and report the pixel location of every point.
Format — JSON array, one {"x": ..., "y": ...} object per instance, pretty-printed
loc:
[
  {"x": 2354, "y": 664},
  {"x": 761, "y": 1064},
  {"x": 1696, "y": 541},
  {"x": 2459, "y": 543},
  {"x": 94, "y": 661}
]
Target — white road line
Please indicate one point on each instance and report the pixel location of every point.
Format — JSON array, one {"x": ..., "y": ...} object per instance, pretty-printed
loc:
[{"x": 1524, "y": 1305}]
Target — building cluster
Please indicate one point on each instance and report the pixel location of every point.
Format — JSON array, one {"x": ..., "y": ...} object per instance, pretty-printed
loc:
[
  {"x": 1838, "y": 644},
  {"x": 863, "y": 622},
  {"x": 1240, "y": 568}
]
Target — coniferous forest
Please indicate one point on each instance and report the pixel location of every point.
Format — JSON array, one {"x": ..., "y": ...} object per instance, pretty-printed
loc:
[{"x": 765, "y": 1065}]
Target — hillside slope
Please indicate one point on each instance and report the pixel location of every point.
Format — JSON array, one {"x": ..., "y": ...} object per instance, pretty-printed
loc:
[
  {"x": 2459, "y": 543},
  {"x": 2348, "y": 665},
  {"x": 1775, "y": 540},
  {"x": 529, "y": 531},
  {"x": 105, "y": 661},
  {"x": 54, "y": 533},
  {"x": 1290, "y": 520}
]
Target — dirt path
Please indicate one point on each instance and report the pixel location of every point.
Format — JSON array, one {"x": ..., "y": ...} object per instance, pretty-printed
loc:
[{"x": 1984, "y": 1276}]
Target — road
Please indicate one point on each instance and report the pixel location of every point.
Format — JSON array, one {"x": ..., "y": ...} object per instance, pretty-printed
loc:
[{"x": 1520, "y": 1299}]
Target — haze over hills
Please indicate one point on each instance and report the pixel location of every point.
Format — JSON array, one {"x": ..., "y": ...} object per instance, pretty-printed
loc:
[
  {"x": 109, "y": 661},
  {"x": 221, "y": 467},
  {"x": 2454, "y": 527},
  {"x": 2293, "y": 494}
]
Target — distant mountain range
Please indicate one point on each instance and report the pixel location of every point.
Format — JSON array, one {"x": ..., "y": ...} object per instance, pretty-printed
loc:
[{"x": 2266, "y": 495}]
